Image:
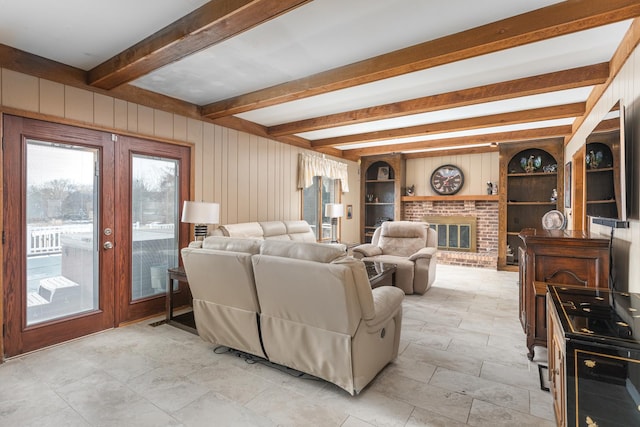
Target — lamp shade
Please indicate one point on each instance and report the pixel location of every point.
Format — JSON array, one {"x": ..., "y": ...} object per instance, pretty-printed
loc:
[
  {"x": 200, "y": 212},
  {"x": 333, "y": 210}
]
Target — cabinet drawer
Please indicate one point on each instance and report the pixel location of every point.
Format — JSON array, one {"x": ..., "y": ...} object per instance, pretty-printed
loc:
[{"x": 608, "y": 388}]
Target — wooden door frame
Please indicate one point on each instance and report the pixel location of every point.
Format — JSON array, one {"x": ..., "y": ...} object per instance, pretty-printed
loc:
[{"x": 578, "y": 193}]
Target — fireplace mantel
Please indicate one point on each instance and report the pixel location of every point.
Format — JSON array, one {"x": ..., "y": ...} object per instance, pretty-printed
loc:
[{"x": 480, "y": 197}]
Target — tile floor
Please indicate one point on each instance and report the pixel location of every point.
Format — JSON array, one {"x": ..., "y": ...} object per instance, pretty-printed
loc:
[{"x": 463, "y": 362}]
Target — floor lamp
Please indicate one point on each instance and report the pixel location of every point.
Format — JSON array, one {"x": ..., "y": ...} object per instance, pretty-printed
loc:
[
  {"x": 200, "y": 214},
  {"x": 334, "y": 211}
]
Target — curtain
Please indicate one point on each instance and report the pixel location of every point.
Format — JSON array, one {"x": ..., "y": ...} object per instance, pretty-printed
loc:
[{"x": 310, "y": 166}]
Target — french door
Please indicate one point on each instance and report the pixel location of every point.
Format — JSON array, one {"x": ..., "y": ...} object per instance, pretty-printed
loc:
[{"x": 89, "y": 228}]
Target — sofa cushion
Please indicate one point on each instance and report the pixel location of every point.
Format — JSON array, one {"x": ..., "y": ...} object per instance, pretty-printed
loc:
[
  {"x": 274, "y": 230},
  {"x": 303, "y": 250},
  {"x": 242, "y": 230},
  {"x": 402, "y": 238},
  {"x": 300, "y": 231},
  {"x": 249, "y": 246}
]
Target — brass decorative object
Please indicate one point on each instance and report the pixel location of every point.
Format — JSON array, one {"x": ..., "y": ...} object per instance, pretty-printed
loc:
[{"x": 590, "y": 363}]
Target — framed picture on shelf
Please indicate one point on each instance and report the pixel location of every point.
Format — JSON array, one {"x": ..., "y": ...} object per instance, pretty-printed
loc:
[
  {"x": 383, "y": 173},
  {"x": 567, "y": 185},
  {"x": 349, "y": 211}
]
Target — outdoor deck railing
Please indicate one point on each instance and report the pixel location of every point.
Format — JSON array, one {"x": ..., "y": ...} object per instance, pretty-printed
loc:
[{"x": 47, "y": 240}]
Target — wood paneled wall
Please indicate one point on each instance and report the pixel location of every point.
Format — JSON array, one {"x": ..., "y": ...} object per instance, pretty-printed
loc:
[
  {"x": 253, "y": 178},
  {"x": 477, "y": 169},
  {"x": 626, "y": 88}
]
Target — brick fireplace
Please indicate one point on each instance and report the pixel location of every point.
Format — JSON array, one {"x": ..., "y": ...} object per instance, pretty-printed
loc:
[{"x": 485, "y": 213}]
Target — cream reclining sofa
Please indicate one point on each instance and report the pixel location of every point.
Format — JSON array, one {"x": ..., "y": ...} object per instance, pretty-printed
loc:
[
  {"x": 411, "y": 246},
  {"x": 306, "y": 306},
  {"x": 299, "y": 230}
]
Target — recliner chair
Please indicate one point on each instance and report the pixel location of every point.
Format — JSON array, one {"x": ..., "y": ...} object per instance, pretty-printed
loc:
[
  {"x": 225, "y": 302},
  {"x": 412, "y": 246}
]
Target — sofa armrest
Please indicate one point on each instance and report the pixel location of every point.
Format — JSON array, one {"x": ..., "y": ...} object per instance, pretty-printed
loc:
[
  {"x": 366, "y": 250},
  {"x": 387, "y": 300},
  {"x": 195, "y": 244},
  {"x": 426, "y": 253}
]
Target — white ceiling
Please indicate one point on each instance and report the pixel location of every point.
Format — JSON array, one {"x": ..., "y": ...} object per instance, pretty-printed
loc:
[
  {"x": 315, "y": 37},
  {"x": 85, "y": 33}
]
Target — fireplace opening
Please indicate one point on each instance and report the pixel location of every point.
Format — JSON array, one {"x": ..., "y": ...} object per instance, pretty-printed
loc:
[{"x": 455, "y": 233}]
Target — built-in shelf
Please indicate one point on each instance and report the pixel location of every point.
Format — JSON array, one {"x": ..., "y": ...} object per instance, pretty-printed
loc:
[
  {"x": 599, "y": 201},
  {"x": 525, "y": 197},
  {"x": 528, "y": 175},
  {"x": 531, "y": 203},
  {"x": 479, "y": 197},
  {"x": 380, "y": 197},
  {"x": 600, "y": 170},
  {"x": 601, "y": 186}
]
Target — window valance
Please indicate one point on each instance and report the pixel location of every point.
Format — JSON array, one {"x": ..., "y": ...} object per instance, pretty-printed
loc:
[{"x": 310, "y": 166}]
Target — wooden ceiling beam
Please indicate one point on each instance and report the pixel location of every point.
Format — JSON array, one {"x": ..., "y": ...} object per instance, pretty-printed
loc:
[
  {"x": 515, "y": 117},
  {"x": 560, "y": 80},
  {"x": 558, "y": 19},
  {"x": 259, "y": 130},
  {"x": 211, "y": 23},
  {"x": 456, "y": 151},
  {"x": 445, "y": 143}
]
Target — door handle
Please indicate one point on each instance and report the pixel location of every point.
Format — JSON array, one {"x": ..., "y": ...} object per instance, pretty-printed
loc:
[{"x": 107, "y": 245}]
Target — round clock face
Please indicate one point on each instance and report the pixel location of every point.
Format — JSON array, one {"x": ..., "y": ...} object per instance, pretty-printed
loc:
[{"x": 447, "y": 179}]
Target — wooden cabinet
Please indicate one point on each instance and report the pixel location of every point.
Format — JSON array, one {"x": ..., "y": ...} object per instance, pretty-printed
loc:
[
  {"x": 382, "y": 178},
  {"x": 529, "y": 172},
  {"x": 557, "y": 364},
  {"x": 594, "y": 356},
  {"x": 557, "y": 256}
]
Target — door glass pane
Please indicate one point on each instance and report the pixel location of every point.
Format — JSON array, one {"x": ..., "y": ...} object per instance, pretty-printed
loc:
[
  {"x": 328, "y": 196},
  {"x": 310, "y": 205},
  {"x": 322, "y": 190},
  {"x": 61, "y": 249},
  {"x": 154, "y": 210}
]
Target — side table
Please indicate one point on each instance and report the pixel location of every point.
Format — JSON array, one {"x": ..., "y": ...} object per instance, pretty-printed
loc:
[
  {"x": 183, "y": 321},
  {"x": 380, "y": 274}
]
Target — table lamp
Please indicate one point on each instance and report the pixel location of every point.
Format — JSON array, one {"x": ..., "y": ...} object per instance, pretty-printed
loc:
[
  {"x": 334, "y": 211},
  {"x": 200, "y": 214}
]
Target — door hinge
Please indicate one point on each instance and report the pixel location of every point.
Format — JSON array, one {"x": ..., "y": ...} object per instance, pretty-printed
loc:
[
  {"x": 3, "y": 237},
  {"x": 114, "y": 137}
]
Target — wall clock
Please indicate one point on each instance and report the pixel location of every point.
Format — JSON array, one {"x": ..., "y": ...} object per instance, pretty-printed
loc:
[{"x": 447, "y": 179}]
